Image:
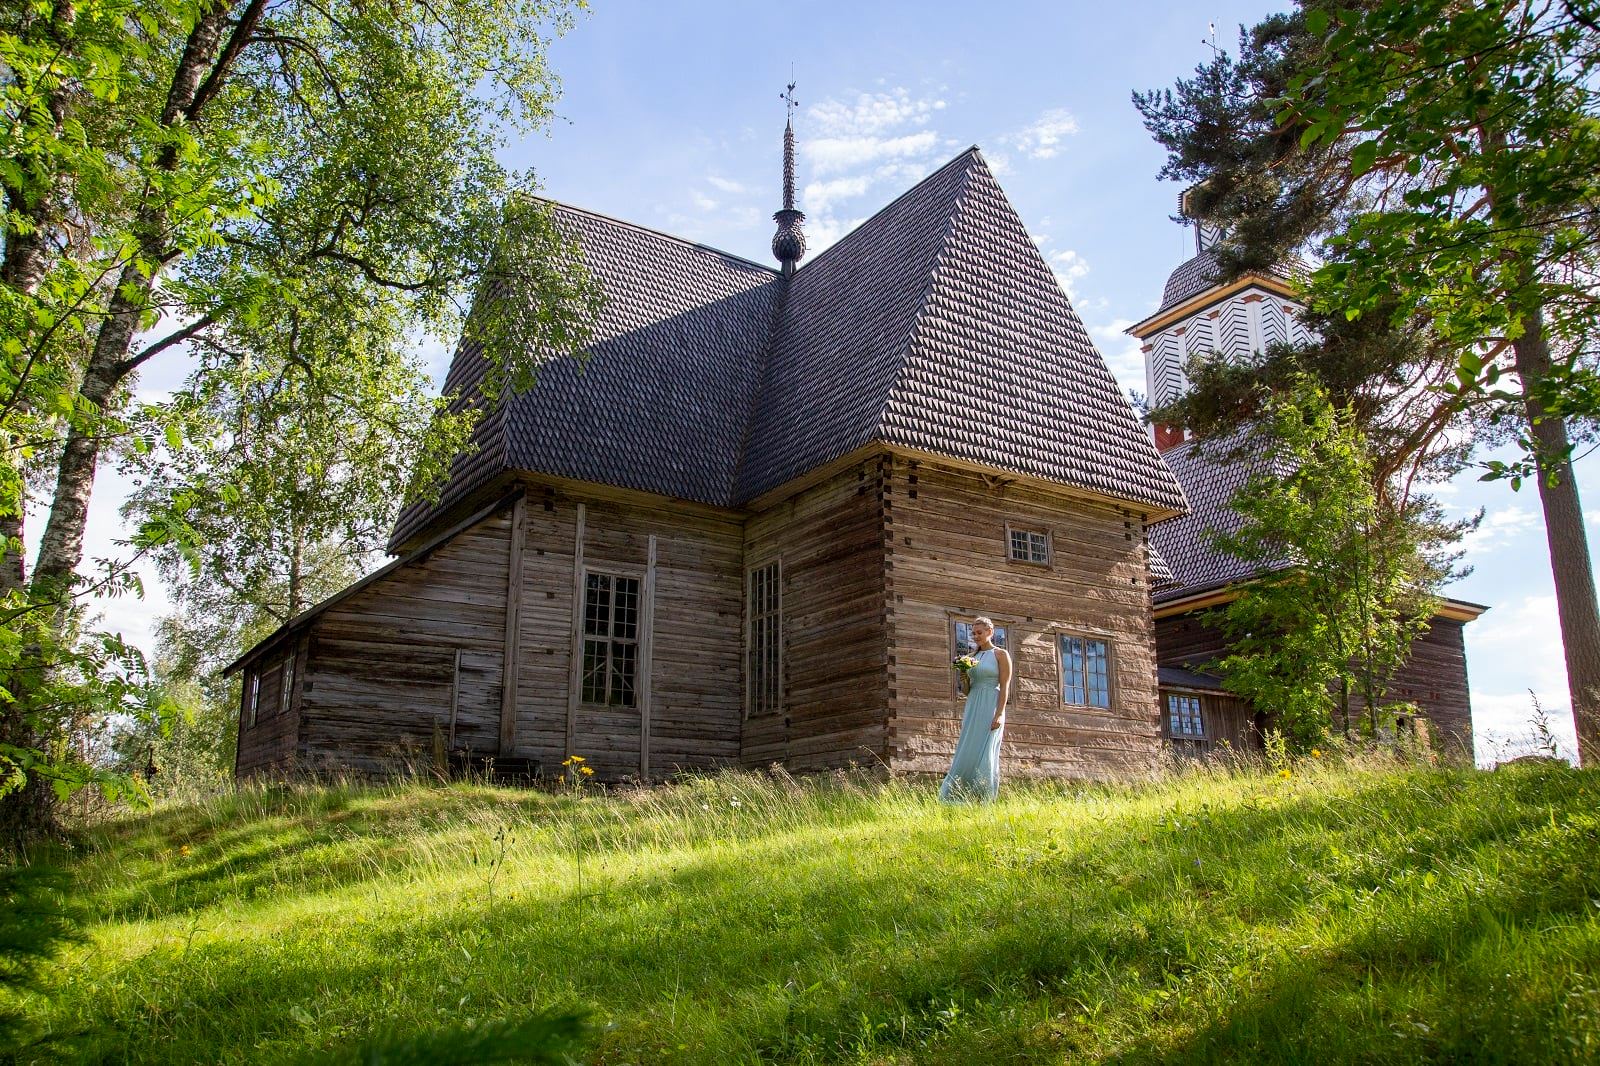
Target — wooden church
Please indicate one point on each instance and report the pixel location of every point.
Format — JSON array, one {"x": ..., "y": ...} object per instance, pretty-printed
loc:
[{"x": 753, "y": 527}]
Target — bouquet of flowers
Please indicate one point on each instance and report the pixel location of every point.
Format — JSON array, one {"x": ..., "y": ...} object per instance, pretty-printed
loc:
[{"x": 964, "y": 664}]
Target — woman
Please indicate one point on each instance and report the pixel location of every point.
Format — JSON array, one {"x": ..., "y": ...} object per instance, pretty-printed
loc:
[{"x": 975, "y": 770}]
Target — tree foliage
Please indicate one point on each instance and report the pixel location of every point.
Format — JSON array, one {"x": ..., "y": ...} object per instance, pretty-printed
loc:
[
  {"x": 1342, "y": 587},
  {"x": 286, "y": 194},
  {"x": 1440, "y": 162}
]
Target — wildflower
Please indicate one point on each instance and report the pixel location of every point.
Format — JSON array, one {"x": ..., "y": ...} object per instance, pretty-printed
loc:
[
  {"x": 1286, "y": 773},
  {"x": 585, "y": 771},
  {"x": 184, "y": 850},
  {"x": 1316, "y": 753}
]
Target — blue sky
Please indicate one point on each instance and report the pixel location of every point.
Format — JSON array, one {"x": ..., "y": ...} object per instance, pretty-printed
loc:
[{"x": 670, "y": 117}]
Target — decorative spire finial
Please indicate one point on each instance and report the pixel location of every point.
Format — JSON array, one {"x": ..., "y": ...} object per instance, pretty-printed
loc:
[{"x": 789, "y": 243}]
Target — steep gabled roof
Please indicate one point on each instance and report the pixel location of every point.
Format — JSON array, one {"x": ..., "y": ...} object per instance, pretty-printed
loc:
[
  {"x": 845, "y": 332},
  {"x": 936, "y": 325},
  {"x": 1001, "y": 371},
  {"x": 661, "y": 402}
]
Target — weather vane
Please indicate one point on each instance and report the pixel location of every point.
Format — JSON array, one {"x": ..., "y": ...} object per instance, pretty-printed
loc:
[
  {"x": 790, "y": 103},
  {"x": 1212, "y": 44}
]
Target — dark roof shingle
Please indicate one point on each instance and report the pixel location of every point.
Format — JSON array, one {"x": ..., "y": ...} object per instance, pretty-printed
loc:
[
  {"x": 935, "y": 325},
  {"x": 1211, "y": 473}
]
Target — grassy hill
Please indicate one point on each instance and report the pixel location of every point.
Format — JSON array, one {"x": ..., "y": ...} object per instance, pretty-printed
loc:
[{"x": 1387, "y": 913}]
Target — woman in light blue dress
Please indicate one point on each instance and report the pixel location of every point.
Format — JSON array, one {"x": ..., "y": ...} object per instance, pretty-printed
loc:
[{"x": 975, "y": 770}]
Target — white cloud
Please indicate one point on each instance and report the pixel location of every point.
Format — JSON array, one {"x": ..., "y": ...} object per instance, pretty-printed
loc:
[
  {"x": 1499, "y": 528},
  {"x": 1069, "y": 268},
  {"x": 1527, "y": 633},
  {"x": 820, "y": 196},
  {"x": 723, "y": 184},
  {"x": 851, "y": 147},
  {"x": 839, "y": 155},
  {"x": 872, "y": 113},
  {"x": 702, "y": 201},
  {"x": 1041, "y": 138}
]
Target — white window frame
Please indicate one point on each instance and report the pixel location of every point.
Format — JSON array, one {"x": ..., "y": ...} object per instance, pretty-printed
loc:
[
  {"x": 764, "y": 632},
  {"x": 253, "y": 694},
  {"x": 1063, "y": 635},
  {"x": 1013, "y": 531},
  {"x": 286, "y": 691},
  {"x": 1199, "y": 718},
  {"x": 609, "y": 639}
]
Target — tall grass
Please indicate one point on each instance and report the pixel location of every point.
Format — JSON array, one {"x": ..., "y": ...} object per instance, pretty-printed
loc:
[{"x": 1341, "y": 913}]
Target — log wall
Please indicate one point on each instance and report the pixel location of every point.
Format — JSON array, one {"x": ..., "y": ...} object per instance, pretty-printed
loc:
[
  {"x": 694, "y": 666},
  {"x": 829, "y": 541},
  {"x": 381, "y": 675},
  {"x": 270, "y": 745},
  {"x": 1434, "y": 678},
  {"x": 947, "y": 556}
]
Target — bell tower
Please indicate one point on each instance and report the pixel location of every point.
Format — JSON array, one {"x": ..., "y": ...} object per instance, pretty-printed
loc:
[{"x": 1203, "y": 318}]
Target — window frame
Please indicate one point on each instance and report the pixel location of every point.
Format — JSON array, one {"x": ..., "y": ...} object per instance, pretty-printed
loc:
[
  {"x": 1199, "y": 717},
  {"x": 252, "y": 697},
  {"x": 1062, "y": 634},
  {"x": 286, "y": 688},
  {"x": 1049, "y": 546},
  {"x": 609, "y": 639},
  {"x": 1003, "y": 628},
  {"x": 754, "y": 704}
]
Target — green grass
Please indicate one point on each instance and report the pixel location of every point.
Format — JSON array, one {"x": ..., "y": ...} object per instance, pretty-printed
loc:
[{"x": 1375, "y": 914}]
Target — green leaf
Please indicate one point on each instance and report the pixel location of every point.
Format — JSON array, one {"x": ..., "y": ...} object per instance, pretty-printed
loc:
[
  {"x": 1363, "y": 156},
  {"x": 1317, "y": 22}
]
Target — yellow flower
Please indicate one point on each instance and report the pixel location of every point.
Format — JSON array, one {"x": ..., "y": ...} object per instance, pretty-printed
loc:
[
  {"x": 1316, "y": 753},
  {"x": 1285, "y": 773},
  {"x": 585, "y": 771},
  {"x": 184, "y": 850}
]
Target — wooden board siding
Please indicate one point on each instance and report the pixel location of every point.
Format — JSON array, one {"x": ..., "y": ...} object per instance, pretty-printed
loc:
[
  {"x": 828, "y": 540},
  {"x": 1229, "y": 724},
  {"x": 1434, "y": 678},
  {"x": 381, "y": 666},
  {"x": 694, "y": 677},
  {"x": 270, "y": 744},
  {"x": 947, "y": 555}
]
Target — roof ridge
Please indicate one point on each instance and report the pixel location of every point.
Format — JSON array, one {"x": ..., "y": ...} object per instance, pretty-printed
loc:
[
  {"x": 939, "y": 260},
  {"x": 660, "y": 234},
  {"x": 913, "y": 187}
]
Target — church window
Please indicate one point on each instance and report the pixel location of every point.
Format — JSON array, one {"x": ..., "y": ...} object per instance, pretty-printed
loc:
[
  {"x": 610, "y": 640},
  {"x": 765, "y": 646},
  {"x": 1028, "y": 545},
  {"x": 1085, "y": 671},
  {"x": 1183, "y": 717}
]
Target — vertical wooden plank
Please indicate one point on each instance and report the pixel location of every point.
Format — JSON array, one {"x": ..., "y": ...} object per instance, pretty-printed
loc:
[
  {"x": 455, "y": 697},
  {"x": 575, "y": 675},
  {"x": 513, "y": 644},
  {"x": 646, "y": 649}
]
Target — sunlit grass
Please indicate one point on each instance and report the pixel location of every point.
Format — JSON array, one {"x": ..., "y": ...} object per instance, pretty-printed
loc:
[{"x": 1344, "y": 913}]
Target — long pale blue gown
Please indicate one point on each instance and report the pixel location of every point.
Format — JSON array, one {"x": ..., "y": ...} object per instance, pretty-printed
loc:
[{"x": 975, "y": 770}]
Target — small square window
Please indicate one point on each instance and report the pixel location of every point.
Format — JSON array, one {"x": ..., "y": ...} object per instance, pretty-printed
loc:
[{"x": 1029, "y": 546}]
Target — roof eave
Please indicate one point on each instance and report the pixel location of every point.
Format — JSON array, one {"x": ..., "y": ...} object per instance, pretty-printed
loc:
[{"x": 1195, "y": 304}]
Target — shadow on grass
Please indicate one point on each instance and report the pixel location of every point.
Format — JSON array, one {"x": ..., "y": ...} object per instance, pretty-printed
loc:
[{"x": 1286, "y": 928}]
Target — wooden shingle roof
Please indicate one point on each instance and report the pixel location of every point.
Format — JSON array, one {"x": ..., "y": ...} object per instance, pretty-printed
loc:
[{"x": 936, "y": 325}]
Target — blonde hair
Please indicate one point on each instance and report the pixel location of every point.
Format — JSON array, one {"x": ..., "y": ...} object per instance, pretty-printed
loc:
[{"x": 983, "y": 620}]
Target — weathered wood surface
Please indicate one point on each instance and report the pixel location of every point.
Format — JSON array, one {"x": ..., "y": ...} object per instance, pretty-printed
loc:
[
  {"x": 271, "y": 745},
  {"x": 947, "y": 558},
  {"x": 1434, "y": 677},
  {"x": 834, "y": 706},
  {"x": 381, "y": 668}
]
